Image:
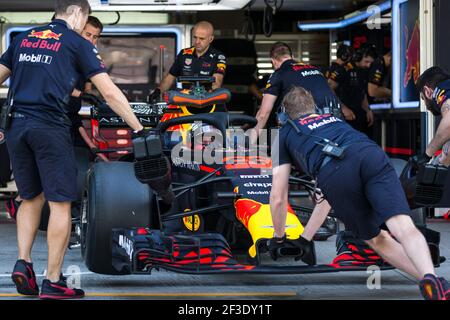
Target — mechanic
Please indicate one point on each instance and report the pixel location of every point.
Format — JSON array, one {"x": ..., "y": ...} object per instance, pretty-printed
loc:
[
  {"x": 289, "y": 73},
  {"x": 434, "y": 88},
  {"x": 80, "y": 137},
  {"x": 200, "y": 60},
  {"x": 360, "y": 185},
  {"x": 45, "y": 63},
  {"x": 343, "y": 55},
  {"x": 376, "y": 89},
  {"x": 350, "y": 84},
  {"x": 91, "y": 32}
]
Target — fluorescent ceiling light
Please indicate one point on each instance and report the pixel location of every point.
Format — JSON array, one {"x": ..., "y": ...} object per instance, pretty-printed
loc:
[{"x": 264, "y": 65}]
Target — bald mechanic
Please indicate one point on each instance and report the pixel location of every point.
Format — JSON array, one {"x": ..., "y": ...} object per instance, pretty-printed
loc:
[
  {"x": 200, "y": 60},
  {"x": 44, "y": 64},
  {"x": 360, "y": 185}
]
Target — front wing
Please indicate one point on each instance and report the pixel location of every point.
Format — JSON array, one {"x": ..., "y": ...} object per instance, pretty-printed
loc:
[{"x": 139, "y": 250}]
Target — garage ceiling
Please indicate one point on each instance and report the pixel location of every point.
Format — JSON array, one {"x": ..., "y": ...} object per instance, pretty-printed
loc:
[{"x": 297, "y": 5}]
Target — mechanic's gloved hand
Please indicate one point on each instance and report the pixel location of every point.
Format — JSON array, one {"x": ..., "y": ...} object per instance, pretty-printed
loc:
[
  {"x": 420, "y": 160},
  {"x": 308, "y": 255},
  {"x": 140, "y": 134},
  {"x": 274, "y": 244},
  {"x": 154, "y": 96}
]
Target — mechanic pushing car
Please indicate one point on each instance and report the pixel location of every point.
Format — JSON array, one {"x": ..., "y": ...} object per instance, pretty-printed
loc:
[
  {"x": 434, "y": 88},
  {"x": 200, "y": 60},
  {"x": 350, "y": 83},
  {"x": 289, "y": 73},
  {"x": 45, "y": 63},
  {"x": 357, "y": 180}
]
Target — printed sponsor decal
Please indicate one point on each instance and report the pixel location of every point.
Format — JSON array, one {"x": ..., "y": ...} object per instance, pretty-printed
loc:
[
  {"x": 319, "y": 124},
  {"x": 188, "y": 51},
  {"x": 302, "y": 66},
  {"x": 45, "y": 34},
  {"x": 127, "y": 245},
  {"x": 41, "y": 44},
  {"x": 221, "y": 66},
  {"x": 188, "y": 222},
  {"x": 39, "y": 58},
  {"x": 311, "y": 73}
]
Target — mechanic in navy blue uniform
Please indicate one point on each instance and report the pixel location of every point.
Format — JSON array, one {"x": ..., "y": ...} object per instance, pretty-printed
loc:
[
  {"x": 44, "y": 64},
  {"x": 350, "y": 83},
  {"x": 81, "y": 139},
  {"x": 289, "y": 73},
  {"x": 362, "y": 188},
  {"x": 343, "y": 55},
  {"x": 378, "y": 72},
  {"x": 200, "y": 60},
  {"x": 434, "y": 88}
]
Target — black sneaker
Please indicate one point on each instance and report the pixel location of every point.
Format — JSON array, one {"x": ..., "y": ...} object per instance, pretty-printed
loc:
[
  {"x": 59, "y": 290},
  {"x": 434, "y": 288},
  {"x": 24, "y": 278}
]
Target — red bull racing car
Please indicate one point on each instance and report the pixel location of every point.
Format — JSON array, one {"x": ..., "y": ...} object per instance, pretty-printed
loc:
[{"x": 169, "y": 210}]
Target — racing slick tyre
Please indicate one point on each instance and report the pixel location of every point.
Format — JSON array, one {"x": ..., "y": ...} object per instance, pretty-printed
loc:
[
  {"x": 82, "y": 156},
  {"x": 114, "y": 199},
  {"x": 398, "y": 164},
  {"x": 5, "y": 164},
  {"x": 418, "y": 215}
]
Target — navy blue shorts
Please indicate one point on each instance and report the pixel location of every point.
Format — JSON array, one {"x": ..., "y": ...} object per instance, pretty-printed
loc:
[
  {"x": 363, "y": 189},
  {"x": 43, "y": 159}
]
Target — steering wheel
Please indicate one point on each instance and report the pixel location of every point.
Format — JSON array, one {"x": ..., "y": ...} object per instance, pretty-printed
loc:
[{"x": 219, "y": 120}]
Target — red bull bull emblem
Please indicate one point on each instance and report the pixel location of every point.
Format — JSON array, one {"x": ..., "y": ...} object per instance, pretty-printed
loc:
[
  {"x": 46, "y": 34},
  {"x": 412, "y": 55},
  {"x": 188, "y": 51}
]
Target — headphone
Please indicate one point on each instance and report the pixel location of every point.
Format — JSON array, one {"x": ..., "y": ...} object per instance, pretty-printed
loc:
[
  {"x": 366, "y": 49},
  {"x": 283, "y": 118},
  {"x": 344, "y": 52}
]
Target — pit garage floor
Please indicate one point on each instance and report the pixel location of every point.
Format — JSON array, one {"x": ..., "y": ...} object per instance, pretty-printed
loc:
[{"x": 168, "y": 285}]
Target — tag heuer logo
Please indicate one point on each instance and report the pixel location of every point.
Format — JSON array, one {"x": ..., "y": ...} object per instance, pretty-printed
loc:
[{"x": 188, "y": 61}]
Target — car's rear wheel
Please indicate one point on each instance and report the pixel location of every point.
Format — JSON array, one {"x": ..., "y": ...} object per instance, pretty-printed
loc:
[{"x": 114, "y": 198}]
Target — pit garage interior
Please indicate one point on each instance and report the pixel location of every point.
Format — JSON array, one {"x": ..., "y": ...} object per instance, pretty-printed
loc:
[{"x": 139, "y": 43}]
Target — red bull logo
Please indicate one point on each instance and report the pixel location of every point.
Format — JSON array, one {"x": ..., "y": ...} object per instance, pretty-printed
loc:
[
  {"x": 41, "y": 44},
  {"x": 412, "y": 55},
  {"x": 45, "y": 34},
  {"x": 301, "y": 66}
]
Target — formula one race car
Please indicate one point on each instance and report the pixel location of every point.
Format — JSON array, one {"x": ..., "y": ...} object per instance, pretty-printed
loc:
[{"x": 172, "y": 208}]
